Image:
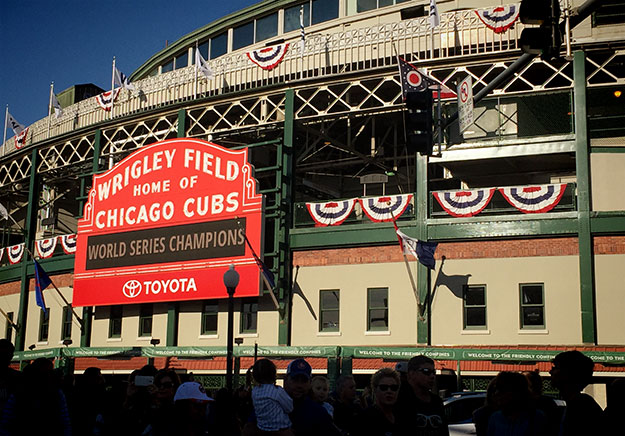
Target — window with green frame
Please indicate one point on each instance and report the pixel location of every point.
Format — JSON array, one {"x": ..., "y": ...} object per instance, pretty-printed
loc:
[
  {"x": 44, "y": 324},
  {"x": 8, "y": 332},
  {"x": 329, "y": 310},
  {"x": 66, "y": 323},
  {"x": 146, "y": 313},
  {"x": 609, "y": 12},
  {"x": 377, "y": 309},
  {"x": 474, "y": 307},
  {"x": 249, "y": 315},
  {"x": 532, "y": 305},
  {"x": 210, "y": 311},
  {"x": 115, "y": 321}
]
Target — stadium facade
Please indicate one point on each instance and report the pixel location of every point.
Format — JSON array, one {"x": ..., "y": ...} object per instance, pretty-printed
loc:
[{"x": 323, "y": 122}]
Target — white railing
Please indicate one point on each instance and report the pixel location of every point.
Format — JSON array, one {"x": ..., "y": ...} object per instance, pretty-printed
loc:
[{"x": 329, "y": 54}]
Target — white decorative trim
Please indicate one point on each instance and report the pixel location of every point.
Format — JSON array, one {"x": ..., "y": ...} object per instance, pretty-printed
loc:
[
  {"x": 113, "y": 339},
  {"x": 329, "y": 334},
  {"x": 475, "y": 332},
  {"x": 208, "y": 336},
  {"x": 534, "y": 332},
  {"x": 247, "y": 335},
  {"x": 378, "y": 333}
]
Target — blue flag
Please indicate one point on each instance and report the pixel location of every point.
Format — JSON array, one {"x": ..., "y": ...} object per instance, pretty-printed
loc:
[
  {"x": 42, "y": 281},
  {"x": 425, "y": 253}
]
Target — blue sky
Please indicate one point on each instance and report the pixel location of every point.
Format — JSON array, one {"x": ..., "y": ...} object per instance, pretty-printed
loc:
[{"x": 73, "y": 42}]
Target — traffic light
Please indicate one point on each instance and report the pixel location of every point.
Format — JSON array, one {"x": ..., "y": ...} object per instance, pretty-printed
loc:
[
  {"x": 419, "y": 121},
  {"x": 546, "y": 39}
]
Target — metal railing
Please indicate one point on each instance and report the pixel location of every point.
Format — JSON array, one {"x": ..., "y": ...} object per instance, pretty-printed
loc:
[{"x": 460, "y": 33}]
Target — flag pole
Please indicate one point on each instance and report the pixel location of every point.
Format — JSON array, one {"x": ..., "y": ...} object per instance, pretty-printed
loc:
[
  {"x": 196, "y": 68},
  {"x": 4, "y": 139},
  {"x": 112, "y": 88},
  {"x": 50, "y": 107},
  {"x": 79, "y": 319},
  {"x": 9, "y": 320},
  {"x": 257, "y": 259},
  {"x": 412, "y": 282}
]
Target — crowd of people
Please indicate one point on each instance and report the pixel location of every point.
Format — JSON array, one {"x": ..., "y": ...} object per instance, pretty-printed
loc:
[{"x": 398, "y": 402}]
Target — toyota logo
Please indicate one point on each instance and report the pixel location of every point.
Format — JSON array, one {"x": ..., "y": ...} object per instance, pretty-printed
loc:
[{"x": 131, "y": 288}]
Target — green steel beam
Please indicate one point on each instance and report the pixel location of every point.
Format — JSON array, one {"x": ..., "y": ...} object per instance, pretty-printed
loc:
[
  {"x": 582, "y": 162},
  {"x": 182, "y": 123},
  {"x": 285, "y": 257},
  {"x": 423, "y": 276},
  {"x": 172, "y": 324},
  {"x": 607, "y": 222},
  {"x": 30, "y": 228},
  {"x": 87, "y": 311}
]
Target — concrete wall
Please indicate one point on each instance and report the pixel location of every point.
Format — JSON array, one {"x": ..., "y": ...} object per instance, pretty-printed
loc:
[
  {"x": 607, "y": 172},
  {"x": 610, "y": 299}
]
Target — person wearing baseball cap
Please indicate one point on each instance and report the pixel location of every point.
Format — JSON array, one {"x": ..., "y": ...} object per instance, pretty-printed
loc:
[{"x": 190, "y": 403}]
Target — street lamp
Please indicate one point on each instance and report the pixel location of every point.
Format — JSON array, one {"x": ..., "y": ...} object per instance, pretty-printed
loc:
[{"x": 231, "y": 280}]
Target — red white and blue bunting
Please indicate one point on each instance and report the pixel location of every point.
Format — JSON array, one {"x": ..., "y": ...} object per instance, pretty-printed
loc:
[
  {"x": 69, "y": 243},
  {"x": 499, "y": 18},
  {"x": 464, "y": 203},
  {"x": 385, "y": 208},
  {"x": 45, "y": 247},
  {"x": 20, "y": 140},
  {"x": 534, "y": 199},
  {"x": 15, "y": 253},
  {"x": 332, "y": 213},
  {"x": 268, "y": 57},
  {"x": 105, "y": 101}
]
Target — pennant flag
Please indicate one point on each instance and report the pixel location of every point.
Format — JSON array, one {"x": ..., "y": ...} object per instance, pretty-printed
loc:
[
  {"x": 435, "y": 19},
  {"x": 106, "y": 99},
  {"x": 385, "y": 208},
  {"x": 58, "y": 110},
  {"x": 269, "y": 57},
  {"x": 68, "y": 242},
  {"x": 412, "y": 79},
  {"x": 202, "y": 66},
  {"x": 122, "y": 81},
  {"x": 499, "y": 18},
  {"x": 420, "y": 250},
  {"x": 4, "y": 213},
  {"x": 302, "y": 32},
  {"x": 534, "y": 199},
  {"x": 15, "y": 253},
  {"x": 332, "y": 213},
  {"x": 45, "y": 247},
  {"x": 464, "y": 203},
  {"x": 42, "y": 281},
  {"x": 15, "y": 126}
]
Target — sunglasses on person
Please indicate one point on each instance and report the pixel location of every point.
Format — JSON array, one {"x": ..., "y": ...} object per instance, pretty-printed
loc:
[
  {"x": 392, "y": 388},
  {"x": 426, "y": 371}
]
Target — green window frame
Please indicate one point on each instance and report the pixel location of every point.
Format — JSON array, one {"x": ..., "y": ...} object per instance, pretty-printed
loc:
[
  {"x": 146, "y": 314},
  {"x": 66, "y": 323},
  {"x": 44, "y": 325},
  {"x": 249, "y": 316},
  {"x": 116, "y": 315},
  {"x": 474, "y": 307},
  {"x": 377, "y": 309},
  {"x": 532, "y": 305},
  {"x": 8, "y": 332},
  {"x": 210, "y": 312},
  {"x": 329, "y": 310}
]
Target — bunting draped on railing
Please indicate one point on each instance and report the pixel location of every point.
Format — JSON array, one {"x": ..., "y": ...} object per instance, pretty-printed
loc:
[
  {"x": 15, "y": 253},
  {"x": 534, "y": 199},
  {"x": 105, "y": 101},
  {"x": 332, "y": 213},
  {"x": 69, "y": 243},
  {"x": 499, "y": 18},
  {"x": 385, "y": 208},
  {"x": 45, "y": 247},
  {"x": 20, "y": 140},
  {"x": 464, "y": 203},
  {"x": 268, "y": 57}
]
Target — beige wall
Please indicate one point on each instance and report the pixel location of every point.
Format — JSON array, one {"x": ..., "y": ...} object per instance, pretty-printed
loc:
[
  {"x": 9, "y": 303},
  {"x": 502, "y": 277},
  {"x": 353, "y": 281},
  {"x": 607, "y": 172},
  {"x": 55, "y": 304},
  {"x": 130, "y": 327},
  {"x": 610, "y": 299}
]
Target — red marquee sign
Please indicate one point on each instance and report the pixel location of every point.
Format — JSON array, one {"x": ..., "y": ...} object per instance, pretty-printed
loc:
[{"x": 165, "y": 223}]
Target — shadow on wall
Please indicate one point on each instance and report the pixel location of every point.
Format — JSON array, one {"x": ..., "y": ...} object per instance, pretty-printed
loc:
[{"x": 455, "y": 283}]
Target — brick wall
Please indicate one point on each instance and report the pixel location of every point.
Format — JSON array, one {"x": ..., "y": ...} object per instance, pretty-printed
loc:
[{"x": 62, "y": 280}]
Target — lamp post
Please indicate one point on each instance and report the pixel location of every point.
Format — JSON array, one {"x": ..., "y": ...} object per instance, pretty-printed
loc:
[{"x": 231, "y": 280}]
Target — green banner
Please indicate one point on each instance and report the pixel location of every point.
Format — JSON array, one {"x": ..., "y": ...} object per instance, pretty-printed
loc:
[
  {"x": 48, "y": 353},
  {"x": 287, "y": 351},
  {"x": 184, "y": 352},
  {"x": 110, "y": 352}
]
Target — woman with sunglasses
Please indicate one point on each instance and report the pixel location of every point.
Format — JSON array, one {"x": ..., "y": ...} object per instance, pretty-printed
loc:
[{"x": 379, "y": 419}]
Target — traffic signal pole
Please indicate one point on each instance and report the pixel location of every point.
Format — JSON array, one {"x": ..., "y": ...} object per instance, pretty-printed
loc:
[{"x": 582, "y": 12}]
